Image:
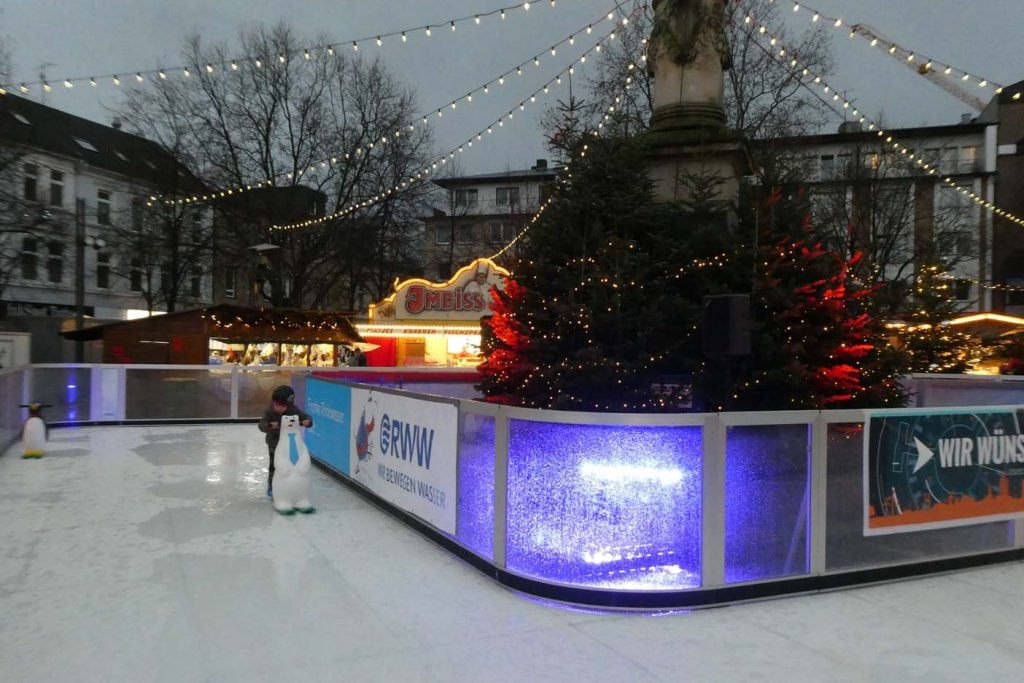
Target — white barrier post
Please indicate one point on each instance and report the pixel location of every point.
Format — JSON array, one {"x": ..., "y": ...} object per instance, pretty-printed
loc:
[
  {"x": 500, "y": 489},
  {"x": 712, "y": 492}
]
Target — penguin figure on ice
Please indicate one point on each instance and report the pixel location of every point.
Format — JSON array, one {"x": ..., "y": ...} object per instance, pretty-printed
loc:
[
  {"x": 34, "y": 431},
  {"x": 291, "y": 469}
]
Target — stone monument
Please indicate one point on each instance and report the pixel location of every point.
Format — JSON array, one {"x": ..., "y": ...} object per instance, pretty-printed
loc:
[{"x": 688, "y": 54}]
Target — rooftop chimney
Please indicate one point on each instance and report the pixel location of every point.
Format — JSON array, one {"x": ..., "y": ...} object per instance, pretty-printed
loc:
[
  {"x": 116, "y": 124},
  {"x": 850, "y": 127},
  {"x": 966, "y": 119},
  {"x": 541, "y": 165}
]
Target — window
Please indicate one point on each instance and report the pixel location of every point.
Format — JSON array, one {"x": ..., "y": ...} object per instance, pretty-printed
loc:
[
  {"x": 57, "y": 188},
  {"x": 466, "y": 198},
  {"x": 229, "y": 283},
  {"x": 1015, "y": 293},
  {"x": 464, "y": 234},
  {"x": 196, "y": 229},
  {"x": 872, "y": 160},
  {"x": 138, "y": 213},
  {"x": 956, "y": 241},
  {"x": 843, "y": 165},
  {"x": 962, "y": 290},
  {"x": 196, "y": 285},
  {"x": 443, "y": 234},
  {"x": 86, "y": 145},
  {"x": 947, "y": 159},
  {"x": 136, "y": 275},
  {"x": 968, "y": 158},
  {"x": 501, "y": 233},
  {"x": 828, "y": 206},
  {"x": 507, "y": 196},
  {"x": 103, "y": 207},
  {"x": 166, "y": 283},
  {"x": 31, "y": 182},
  {"x": 29, "y": 258},
  {"x": 103, "y": 270},
  {"x": 958, "y": 217},
  {"x": 55, "y": 262},
  {"x": 828, "y": 166}
]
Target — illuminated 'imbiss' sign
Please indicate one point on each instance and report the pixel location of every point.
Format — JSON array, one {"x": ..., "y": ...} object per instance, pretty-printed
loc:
[{"x": 466, "y": 296}]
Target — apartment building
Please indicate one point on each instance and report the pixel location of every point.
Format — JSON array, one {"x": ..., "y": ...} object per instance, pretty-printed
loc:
[
  {"x": 478, "y": 215},
  {"x": 78, "y": 229}
]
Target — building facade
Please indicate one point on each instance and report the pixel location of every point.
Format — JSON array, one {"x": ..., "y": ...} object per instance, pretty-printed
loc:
[
  {"x": 480, "y": 214},
  {"x": 867, "y": 197},
  {"x": 80, "y": 229},
  {"x": 1006, "y": 112}
]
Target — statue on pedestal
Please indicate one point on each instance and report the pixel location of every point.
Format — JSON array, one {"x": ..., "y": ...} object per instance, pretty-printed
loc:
[{"x": 687, "y": 56}]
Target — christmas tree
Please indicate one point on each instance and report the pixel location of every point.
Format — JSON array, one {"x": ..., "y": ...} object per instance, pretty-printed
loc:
[
  {"x": 605, "y": 308},
  {"x": 607, "y": 294},
  {"x": 932, "y": 346},
  {"x": 505, "y": 345},
  {"x": 814, "y": 343}
]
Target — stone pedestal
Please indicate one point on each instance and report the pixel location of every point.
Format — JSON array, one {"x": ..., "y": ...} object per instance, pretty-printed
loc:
[{"x": 675, "y": 154}]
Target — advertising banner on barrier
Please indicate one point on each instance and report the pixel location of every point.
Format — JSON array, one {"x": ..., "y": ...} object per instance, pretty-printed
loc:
[
  {"x": 330, "y": 406},
  {"x": 403, "y": 449},
  {"x": 940, "y": 468}
]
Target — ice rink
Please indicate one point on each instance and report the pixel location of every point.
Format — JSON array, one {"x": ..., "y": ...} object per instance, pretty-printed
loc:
[{"x": 153, "y": 554}]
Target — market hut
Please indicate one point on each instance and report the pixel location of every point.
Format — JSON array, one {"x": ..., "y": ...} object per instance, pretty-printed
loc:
[{"x": 227, "y": 333}]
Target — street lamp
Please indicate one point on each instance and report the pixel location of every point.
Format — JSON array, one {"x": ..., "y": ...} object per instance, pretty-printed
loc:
[{"x": 81, "y": 242}]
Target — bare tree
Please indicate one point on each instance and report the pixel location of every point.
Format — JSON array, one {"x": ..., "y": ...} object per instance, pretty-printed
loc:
[
  {"x": 320, "y": 120},
  {"x": 163, "y": 251},
  {"x": 899, "y": 221},
  {"x": 763, "y": 96}
]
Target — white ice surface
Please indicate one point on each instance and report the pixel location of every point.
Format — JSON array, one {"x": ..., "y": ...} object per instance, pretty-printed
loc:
[{"x": 153, "y": 554}]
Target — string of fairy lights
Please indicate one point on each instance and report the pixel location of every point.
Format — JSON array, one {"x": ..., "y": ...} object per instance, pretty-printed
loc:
[
  {"x": 809, "y": 79},
  {"x": 924, "y": 64},
  {"x": 628, "y": 83},
  {"x": 409, "y": 126},
  {"x": 910, "y": 159},
  {"x": 443, "y": 159},
  {"x": 231, "y": 65}
]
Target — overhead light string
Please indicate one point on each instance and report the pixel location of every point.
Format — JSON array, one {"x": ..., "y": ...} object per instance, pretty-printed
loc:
[
  {"x": 809, "y": 80},
  {"x": 259, "y": 61},
  {"x": 422, "y": 119},
  {"x": 565, "y": 172},
  {"x": 442, "y": 160}
]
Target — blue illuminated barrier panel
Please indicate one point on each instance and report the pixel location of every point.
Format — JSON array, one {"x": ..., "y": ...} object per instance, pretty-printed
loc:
[{"x": 659, "y": 511}]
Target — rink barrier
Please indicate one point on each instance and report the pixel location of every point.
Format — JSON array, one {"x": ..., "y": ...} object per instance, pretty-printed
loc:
[
  {"x": 773, "y": 500},
  {"x": 526, "y": 521}
]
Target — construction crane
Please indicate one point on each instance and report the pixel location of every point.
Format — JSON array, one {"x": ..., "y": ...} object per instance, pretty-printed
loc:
[{"x": 924, "y": 69}]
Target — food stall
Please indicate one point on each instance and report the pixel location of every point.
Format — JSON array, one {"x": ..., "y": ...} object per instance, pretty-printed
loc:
[{"x": 433, "y": 324}]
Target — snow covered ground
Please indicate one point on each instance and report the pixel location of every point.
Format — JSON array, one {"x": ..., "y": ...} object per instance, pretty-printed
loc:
[{"x": 153, "y": 554}]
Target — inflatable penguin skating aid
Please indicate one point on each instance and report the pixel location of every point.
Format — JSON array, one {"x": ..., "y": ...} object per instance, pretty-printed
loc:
[
  {"x": 291, "y": 469},
  {"x": 33, "y": 432}
]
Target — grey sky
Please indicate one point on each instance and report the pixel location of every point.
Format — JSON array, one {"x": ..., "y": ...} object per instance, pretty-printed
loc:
[{"x": 85, "y": 37}]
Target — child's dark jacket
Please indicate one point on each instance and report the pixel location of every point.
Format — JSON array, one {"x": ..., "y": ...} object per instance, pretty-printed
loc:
[{"x": 274, "y": 435}]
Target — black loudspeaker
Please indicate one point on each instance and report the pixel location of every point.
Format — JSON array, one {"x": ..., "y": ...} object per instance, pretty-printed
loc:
[{"x": 726, "y": 325}]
